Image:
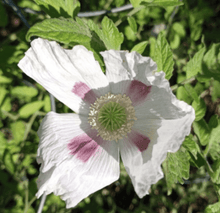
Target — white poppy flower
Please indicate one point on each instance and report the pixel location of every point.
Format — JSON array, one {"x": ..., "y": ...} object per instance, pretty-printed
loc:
[{"x": 130, "y": 110}]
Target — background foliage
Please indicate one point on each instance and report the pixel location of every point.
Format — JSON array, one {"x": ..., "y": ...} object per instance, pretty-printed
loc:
[{"x": 183, "y": 40}]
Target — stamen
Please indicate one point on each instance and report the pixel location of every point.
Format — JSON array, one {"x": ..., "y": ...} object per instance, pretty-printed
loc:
[{"x": 112, "y": 116}]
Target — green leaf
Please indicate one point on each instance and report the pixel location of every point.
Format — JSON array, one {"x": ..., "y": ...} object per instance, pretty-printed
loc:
[
  {"x": 176, "y": 166},
  {"x": 61, "y": 30},
  {"x": 202, "y": 130},
  {"x": 194, "y": 66},
  {"x": 200, "y": 109},
  {"x": 110, "y": 35},
  {"x": 18, "y": 129},
  {"x": 132, "y": 23},
  {"x": 140, "y": 47},
  {"x": 30, "y": 108},
  {"x": 179, "y": 29},
  {"x": 6, "y": 106},
  {"x": 213, "y": 121},
  {"x": 192, "y": 92},
  {"x": 135, "y": 3},
  {"x": 183, "y": 95},
  {"x": 216, "y": 169},
  {"x": 3, "y": 92},
  {"x": 7, "y": 160},
  {"x": 215, "y": 91},
  {"x": 214, "y": 143},
  {"x": 3, "y": 16},
  {"x": 3, "y": 143},
  {"x": 214, "y": 208},
  {"x": 22, "y": 91},
  {"x": 174, "y": 44},
  {"x": 191, "y": 146},
  {"x": 57, "y": 8},
  {"x": 164, "y": 56},
  {"x": 47, "y": 105},
  {"x": 162, "y": 3}
]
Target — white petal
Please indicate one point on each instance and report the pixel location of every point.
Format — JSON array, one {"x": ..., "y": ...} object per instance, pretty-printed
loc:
[
  {"x": 122, "y": 66},
  {"x": 163, "y": 121},
  {"x": 58, "y": 70},
  {"x": 68, "y": 175}
]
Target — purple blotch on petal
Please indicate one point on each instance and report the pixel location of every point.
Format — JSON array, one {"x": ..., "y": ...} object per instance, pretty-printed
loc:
[
  {"x": 139, "y": 140},
  {"x": 137, "y": 91},
  {"x": 83, "y": 146},
  {"x": 83, "y": 91}
]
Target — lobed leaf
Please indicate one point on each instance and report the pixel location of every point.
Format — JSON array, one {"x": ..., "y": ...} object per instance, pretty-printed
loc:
[
  {"x": 176, "y": 166},
  {"x": 202, "y": 130}
]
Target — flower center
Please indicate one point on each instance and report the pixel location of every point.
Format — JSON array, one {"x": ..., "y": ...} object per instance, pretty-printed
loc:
[{"x": 112, "y": 116}]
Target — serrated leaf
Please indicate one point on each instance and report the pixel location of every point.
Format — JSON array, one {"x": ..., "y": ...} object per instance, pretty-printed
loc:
[
  {"x": 210, "y": 57},
  {"x": 214, "y": 143},
  {"x": 176, "y": 166},
  {"x": 214, "y": 208},
  {"x": 110, "y": 35},
  {"x": 216, "y": 170},
  {"x": 132, "y": 23},
  {"x": 162, "y": 3},
  {"x": 61, "y": 30},
  {"x": 18, "y": 129},
  {"x": 194, "y": 66},
  {"x": 57, "y": 8},
  {"x": 200, "y": 109},
  {"x": 30, "y": 108},
  {"x": 191, "y": 146},
  {"x": 164, "y": 56},
  {"x": 202, "y": 130},
  {"x": 8, "y": 162},
  {"x": 24, "y": 91},
  {"x": 192, "y": 92},
  {"x": 140, "y": 47}
]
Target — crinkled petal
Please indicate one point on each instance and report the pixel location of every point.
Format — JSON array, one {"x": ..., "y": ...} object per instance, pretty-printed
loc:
[
  {"x": 74, "y": 164},
  {"x": 161, "y": 126},
  {"x": 123, "y": 66},
  {"x": 58, "y": 70}
]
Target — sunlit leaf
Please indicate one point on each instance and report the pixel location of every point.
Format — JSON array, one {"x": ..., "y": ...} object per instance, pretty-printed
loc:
[
  {"x": 132, "y": 23},
  {"x": 140, "y": 47},
  {"x": 30, "y": 108},
  {"x": 18, "y": 129},
  {"x": 164, "y": 56}
]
